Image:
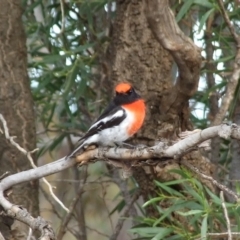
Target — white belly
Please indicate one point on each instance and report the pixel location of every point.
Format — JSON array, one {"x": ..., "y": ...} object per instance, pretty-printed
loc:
[{"x": 109, "y": 136}]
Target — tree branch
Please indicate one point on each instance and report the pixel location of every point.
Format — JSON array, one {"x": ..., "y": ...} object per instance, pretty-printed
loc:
[
  {"x": 185, "y": 53},
  {"x": 228, "y": 22},
  {"x": 226, "y": 216},
  {"x": 123, "y": 218},
  {"x": 134, "y": 157},
  {"x": 161, "y": 150},
  {"x": 212, "y": 180},
  {"x": 29, "y": 157},
  {"x": 73, "y": 205},
  {"x": 233, "y": 80}
]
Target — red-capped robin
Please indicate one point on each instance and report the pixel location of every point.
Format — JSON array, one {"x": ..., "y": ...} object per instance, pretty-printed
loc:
[{"x": 121, "y": 119}]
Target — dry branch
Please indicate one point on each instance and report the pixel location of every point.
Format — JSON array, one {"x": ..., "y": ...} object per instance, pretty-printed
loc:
[
  {"x": 161, "y": 150},
  {"x": 233, "y": 80},
  {"x": 226, "y": 216},
  {"x": 185, "y": 53},
  {"x": 134, "y": 157},
  {"x": 123, "y": 217},
  {"x": 29, "y": 157},
  {"x": 67, "y": 218},
  {"x": 212, "y": 180}
]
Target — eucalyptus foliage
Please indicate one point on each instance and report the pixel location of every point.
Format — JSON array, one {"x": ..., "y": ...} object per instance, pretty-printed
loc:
[
  {"x": 188, "y": 210},
  {"x": 66, "y": 46}
]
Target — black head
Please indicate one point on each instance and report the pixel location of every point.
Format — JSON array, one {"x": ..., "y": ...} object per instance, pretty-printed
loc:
[{"x": 125, "y": 93}]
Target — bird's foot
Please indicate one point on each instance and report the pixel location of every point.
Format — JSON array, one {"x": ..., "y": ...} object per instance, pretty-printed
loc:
[
  {"x": 140, "y": 146},
  {"x": 125, "y": 145}
]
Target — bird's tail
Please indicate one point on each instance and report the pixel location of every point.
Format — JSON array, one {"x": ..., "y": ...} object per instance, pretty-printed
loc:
[{"x": 77, "y": 151}]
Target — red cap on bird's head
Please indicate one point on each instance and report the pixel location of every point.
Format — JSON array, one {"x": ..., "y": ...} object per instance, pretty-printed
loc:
[
  {"x": 125, "y": 93},
  {"x": 123, "y": 87}
]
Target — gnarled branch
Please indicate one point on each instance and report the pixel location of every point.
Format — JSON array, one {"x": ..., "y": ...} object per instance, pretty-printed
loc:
[
  {"x": 185, "y": 53},
  {"x": 132, "y": 156}
]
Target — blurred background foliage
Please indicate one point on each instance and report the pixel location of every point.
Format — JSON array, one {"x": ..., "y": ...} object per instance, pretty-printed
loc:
[
  {"x": 190, "y": 214},
  {"x": 67, "y": 42}
]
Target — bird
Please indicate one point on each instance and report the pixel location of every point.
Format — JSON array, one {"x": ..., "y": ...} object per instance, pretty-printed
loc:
[{"x": 123, "y": 117}]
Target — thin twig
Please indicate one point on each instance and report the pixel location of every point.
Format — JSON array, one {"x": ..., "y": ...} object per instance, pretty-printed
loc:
[
  {"x": 63, "y": 17},
  {"x": 64, "y": 223},
  {"x": 123, "y": 186},
  {"x": 46, "y": 195},
  {"x": 97, "y": 181},
  {"x": 4, "y": 175},
  {"x": 28, "y": 154},
  {"x": 218, "y": 235},
  {"x": 228, "y": 22},
  {"x": 123, "y": 218},
  {"x": 29, "y": 234},
  {"x": 73, "y": 204},
  {"x": 157, "y": 153},
  {"x": 213, "y": 98},
  {"x": 1, "y": 236},
  {"x": 79, "y": 212},
  {"x": 53, "y": 209},
  {"x": 226, "y": 216},
  {"x": 212, "y": 180},
  {"x": 233, "y": 80},
  {"x": 106, "y": 205},
  {"x": 98, "y": 232}
]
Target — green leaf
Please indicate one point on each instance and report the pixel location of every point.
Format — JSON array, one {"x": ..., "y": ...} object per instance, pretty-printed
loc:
[
  {"x": 52, "y": 110},
  {"x": 82, "y": 48},
  {"x": 151, "y": 201},
  {"x": 169, "y": 190},
  {"x": 163, "y": 233},
  {"x": 204, "y": 227},
  {"x": 225, "y": 59},
  {"x": 214, "y": 197},
  {"x": 56, "y": 142},
  {"x": 31, "y": 7},
  {"x": 184, "y": 9},
  {"x": 217, "y": 200},
  {"x": 151, "y": 231},
  {"x": 203, "y": 3},
  {"x": 204, "y": 18},
  {"x": 191, "y": 212},
  {"x": 178, "y": 205},
  {"x": 118, "y": 207},
  {"x": 83, "y": 82},
  {"x": 195, "y": 194},
  {"x": 174, "y": 182},
  {"x": 50, "y": 58},
  {"x": 71, "y": 78}
]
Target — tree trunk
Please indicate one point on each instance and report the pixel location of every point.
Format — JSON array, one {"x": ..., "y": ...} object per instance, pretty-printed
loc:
[
  {"x": 145, "y": 42},
  {"x": 136, "y": 56},
  {"x": 16, "y": 105}
]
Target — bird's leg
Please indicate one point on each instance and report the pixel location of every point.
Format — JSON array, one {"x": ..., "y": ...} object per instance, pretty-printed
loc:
[
  {"x": 123, "y": 144},
  {"x": 130, "y": 146},
  {"x": 140, "y": 146},
  {"x": 117, "y": 145}
]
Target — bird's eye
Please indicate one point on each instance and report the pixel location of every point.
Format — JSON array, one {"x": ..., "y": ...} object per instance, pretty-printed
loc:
[{"x": 129, "y": 91}]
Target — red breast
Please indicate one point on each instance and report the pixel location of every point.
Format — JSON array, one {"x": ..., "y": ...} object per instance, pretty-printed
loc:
[{"x": 138, "y": 110}]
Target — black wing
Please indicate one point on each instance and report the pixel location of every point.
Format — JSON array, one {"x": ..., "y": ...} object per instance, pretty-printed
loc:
[
  {"x": 102, "y": 124},
  {"x": 111, "y": 109}
]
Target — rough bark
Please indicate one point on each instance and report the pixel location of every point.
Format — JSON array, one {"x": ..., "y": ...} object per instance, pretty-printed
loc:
[
  {"x": 16, "y": 104},
  {"x": 135, "y": 55},
  {"x": 144, "y": 44}
]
